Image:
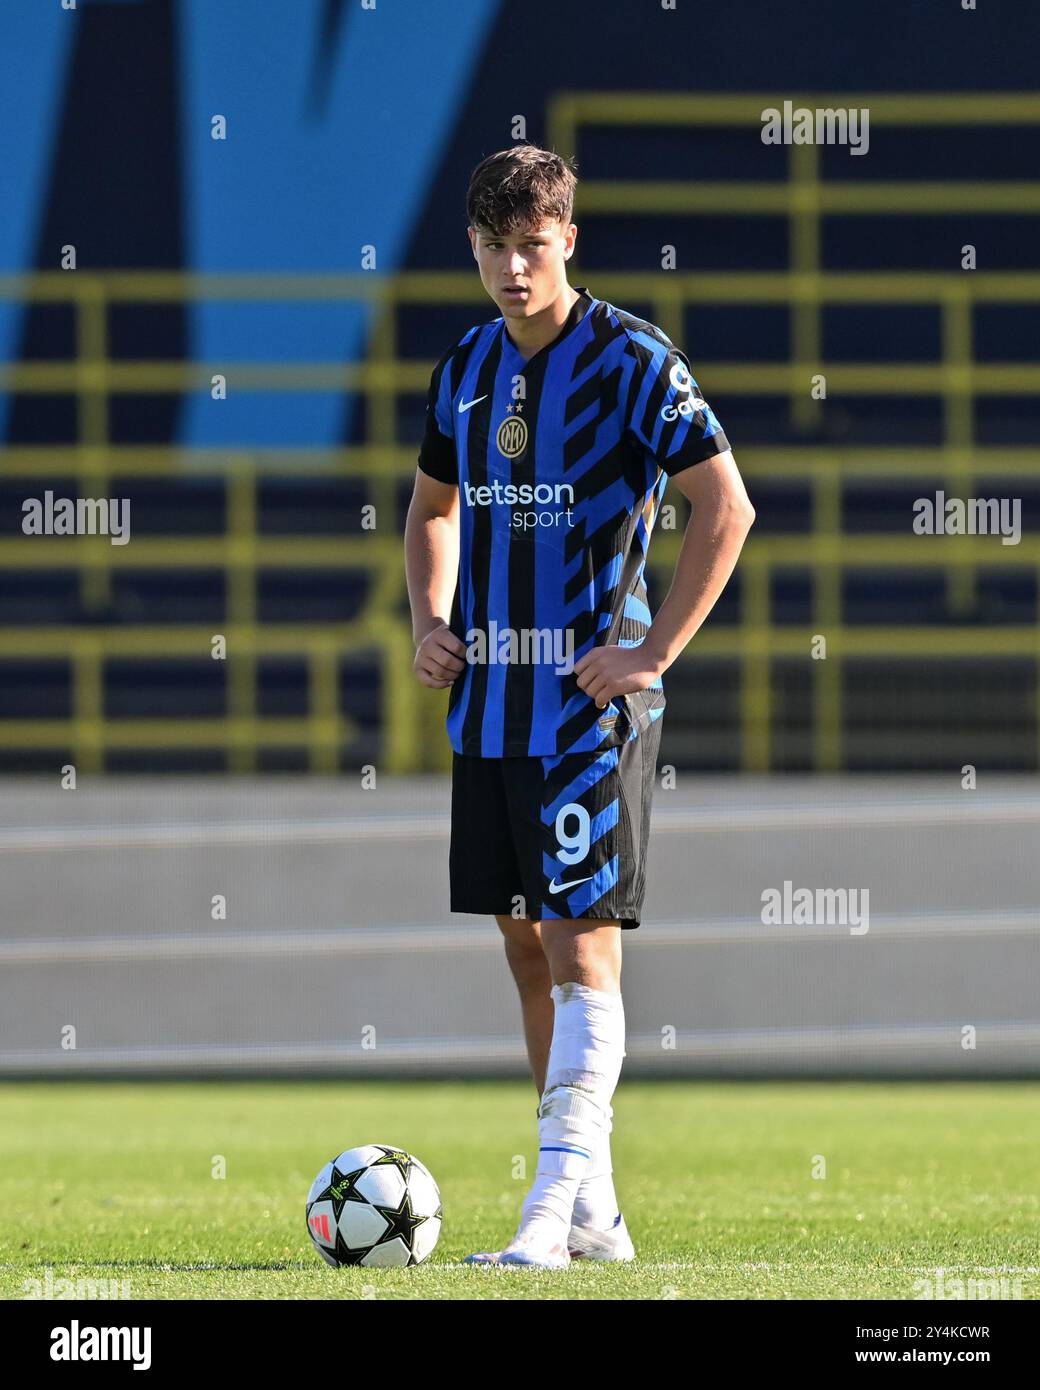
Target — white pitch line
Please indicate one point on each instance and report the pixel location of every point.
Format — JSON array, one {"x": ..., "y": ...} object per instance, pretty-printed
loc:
[
  {"x": 442, "y": 1265},
  {"x": 824, "y": 1264}
]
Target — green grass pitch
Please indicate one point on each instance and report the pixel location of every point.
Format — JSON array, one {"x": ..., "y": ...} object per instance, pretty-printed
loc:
[{"x": 114, "y": 1181}]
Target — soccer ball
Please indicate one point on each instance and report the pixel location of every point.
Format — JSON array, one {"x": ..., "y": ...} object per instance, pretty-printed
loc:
[{"x": 375, "y": 1206}]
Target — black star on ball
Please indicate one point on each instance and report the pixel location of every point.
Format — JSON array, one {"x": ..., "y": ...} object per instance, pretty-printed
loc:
[
  {"x": 342, "y": 1189},
  {"x": 401, "y": 1222},
  {"x": 397, "y": 1157}
]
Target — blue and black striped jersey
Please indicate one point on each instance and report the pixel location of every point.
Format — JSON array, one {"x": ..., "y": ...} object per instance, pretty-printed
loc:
[{"x": 561, "y": 462}]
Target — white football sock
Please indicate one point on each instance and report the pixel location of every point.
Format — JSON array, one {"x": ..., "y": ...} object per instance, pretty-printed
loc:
[{"x": 574, "y": 1117}]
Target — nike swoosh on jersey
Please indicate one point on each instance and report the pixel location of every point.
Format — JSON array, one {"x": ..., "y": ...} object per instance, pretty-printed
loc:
[
  {"x": 555, "y": 887},
  {"x": 465, "y": 405}
]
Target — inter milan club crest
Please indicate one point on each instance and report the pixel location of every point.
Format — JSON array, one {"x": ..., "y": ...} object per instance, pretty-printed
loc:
[{"x": 512, "y": 437}]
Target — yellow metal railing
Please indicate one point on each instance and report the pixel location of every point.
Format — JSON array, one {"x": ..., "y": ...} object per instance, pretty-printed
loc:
[
  {"x": 411, "y": 717},
  {"x": 804, "y": 198}
]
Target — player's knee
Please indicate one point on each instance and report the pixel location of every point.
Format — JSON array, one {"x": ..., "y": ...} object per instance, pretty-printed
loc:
[
  {"x": 530, "y": 969},
  {"x": 524, "y": 953},
  {"x": 520, "y": 933}
]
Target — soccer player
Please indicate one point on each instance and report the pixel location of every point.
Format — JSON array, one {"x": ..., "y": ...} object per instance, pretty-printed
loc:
[{"x": 551, "y": 432}]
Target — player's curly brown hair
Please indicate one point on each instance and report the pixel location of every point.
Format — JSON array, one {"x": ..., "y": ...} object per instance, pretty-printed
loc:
[{"x": 520, "y": 187}]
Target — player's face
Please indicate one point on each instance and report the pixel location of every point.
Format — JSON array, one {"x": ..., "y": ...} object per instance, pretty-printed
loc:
[{"x": 524, "y": 272}]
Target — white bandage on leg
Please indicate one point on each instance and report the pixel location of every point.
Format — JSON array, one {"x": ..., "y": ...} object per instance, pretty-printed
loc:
[
  {"x": 575, "y": 1115},
  {"x": 568, "y": 1125},
  {"x": 588, "y": 1047}
]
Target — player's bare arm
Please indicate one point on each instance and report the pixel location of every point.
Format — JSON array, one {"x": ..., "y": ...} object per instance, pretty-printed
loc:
[
  {"x": 721, "y": 518},
  {"x": 431, "y": 546}
]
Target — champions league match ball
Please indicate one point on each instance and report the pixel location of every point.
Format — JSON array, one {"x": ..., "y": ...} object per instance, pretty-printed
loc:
[{"x": 375, "y": 1206}]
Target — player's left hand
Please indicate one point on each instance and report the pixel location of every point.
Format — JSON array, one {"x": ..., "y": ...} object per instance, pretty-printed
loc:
[{"x": 608, "y": 671}]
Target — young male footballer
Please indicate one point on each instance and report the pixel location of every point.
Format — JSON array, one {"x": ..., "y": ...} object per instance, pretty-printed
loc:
[{"x": 551, "y": 432}]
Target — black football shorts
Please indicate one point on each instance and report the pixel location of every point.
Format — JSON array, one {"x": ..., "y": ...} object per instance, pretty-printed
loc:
[{"x": 562, "y": 836}]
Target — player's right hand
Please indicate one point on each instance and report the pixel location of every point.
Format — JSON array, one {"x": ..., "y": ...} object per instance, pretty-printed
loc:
[{"x": 439, "y": 658}]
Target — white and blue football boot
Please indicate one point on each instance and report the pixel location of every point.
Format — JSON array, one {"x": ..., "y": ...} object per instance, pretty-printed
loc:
[
  {"x": 525, "y": 1250},
  {"x": 615, "y": 1244}
]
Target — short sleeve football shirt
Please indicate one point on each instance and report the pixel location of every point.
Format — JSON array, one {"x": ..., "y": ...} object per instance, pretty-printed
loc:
[{"x": 561, "y": 461}]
